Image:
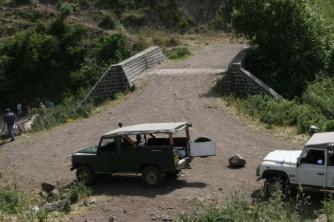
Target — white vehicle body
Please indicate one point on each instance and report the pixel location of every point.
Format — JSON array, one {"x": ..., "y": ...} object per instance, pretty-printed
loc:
[{"x": 313, "y": 166}]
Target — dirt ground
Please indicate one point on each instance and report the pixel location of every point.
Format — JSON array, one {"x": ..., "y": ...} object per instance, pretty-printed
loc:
[{"x": 180, "y": 95}]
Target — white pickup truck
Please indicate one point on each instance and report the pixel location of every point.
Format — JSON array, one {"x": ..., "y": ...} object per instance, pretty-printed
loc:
[{"x": 311, "y": 167}]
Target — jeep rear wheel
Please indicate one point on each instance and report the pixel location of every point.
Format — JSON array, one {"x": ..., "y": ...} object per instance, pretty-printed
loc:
[
  {"x": 275, "y": 184},
  {"x": 152, "y": 176},
  {"x": 85, "y": 175}
]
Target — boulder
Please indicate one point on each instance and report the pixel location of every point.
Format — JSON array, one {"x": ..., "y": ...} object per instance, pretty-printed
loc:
[
  {"x": 237, "y": 161},
  {"x": 47, "y": 187},
  {"x": 54, "y": 195}
]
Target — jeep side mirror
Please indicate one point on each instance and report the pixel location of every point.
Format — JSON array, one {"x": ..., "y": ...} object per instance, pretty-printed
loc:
[{"x": 298, "y": 161}]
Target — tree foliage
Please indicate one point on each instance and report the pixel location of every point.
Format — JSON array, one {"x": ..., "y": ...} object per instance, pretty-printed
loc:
[
  {"x": 53, "y": 62},
  {"x": 290, "y": 43}
]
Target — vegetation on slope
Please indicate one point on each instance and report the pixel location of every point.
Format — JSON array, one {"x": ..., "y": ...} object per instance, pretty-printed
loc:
[
  {"x": 52, "y": 50},
  {"x": 292, "y": 51}
]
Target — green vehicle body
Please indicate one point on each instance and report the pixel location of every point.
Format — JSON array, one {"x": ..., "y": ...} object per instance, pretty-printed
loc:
[
  {"x": 130, "y": 159},
  {"x": 151, "y": 149}
]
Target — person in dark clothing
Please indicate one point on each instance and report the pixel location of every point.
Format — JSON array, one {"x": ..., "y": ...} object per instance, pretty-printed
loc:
[{"x": 9, "y": 119}]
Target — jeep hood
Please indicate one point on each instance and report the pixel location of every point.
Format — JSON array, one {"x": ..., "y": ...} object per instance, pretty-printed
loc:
[
  {"x": 283, "y": 156},
  {"x": 87, "y": 150}
]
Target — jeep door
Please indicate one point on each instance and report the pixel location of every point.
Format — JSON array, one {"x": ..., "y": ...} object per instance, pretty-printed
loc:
[
  {"x": 108, "y": 155},
  {"x": 130, "y": 156},
  {"x": 312, "y": 168},
  {"x": 330, "y": 168}
]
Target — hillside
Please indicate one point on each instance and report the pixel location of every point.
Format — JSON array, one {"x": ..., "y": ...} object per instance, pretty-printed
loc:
[{"x": 91, "y": 35}]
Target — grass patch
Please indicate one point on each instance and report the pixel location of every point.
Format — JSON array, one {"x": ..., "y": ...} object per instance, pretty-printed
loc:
[
  {"x": 69, "y": 111},
  {"x": 178, "y": 53},
  {"x": 281, "y": 112},
  {"x": 77, "y": 192},
  {"x": 239, "y": 208}
]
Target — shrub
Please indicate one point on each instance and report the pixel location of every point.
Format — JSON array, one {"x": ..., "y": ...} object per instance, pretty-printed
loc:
[
  {"x": 78, "y": 191},
  {"x": 108, "y": 22},
  {"x": 290, "y": 42},
  {"x": 320, "y": 93},
  {"x": 133, "y": 18},
  {"x": 238, "y": 208},
  {"x": 68, "y": 111},
  {"x": 12, "y": 201},
  {"x": 22, "y": 2},
  {"x": 141, "y": 43},
  {"x": 65, "y": 9},
  {"x": 113, "y": 49},
  {"x": 179, "y": 53},
  {"x": 282, "y": 112}
]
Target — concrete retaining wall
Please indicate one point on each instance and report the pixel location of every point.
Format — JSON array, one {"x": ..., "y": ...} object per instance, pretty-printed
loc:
[
  {"x": 122, "y": 76},
  {"x": 241, "y": 82}
]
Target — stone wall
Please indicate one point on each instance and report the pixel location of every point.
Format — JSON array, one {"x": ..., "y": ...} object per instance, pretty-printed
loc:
[
  {"x": 241, "y": 82},
  {"x": 122, "y": 76}
]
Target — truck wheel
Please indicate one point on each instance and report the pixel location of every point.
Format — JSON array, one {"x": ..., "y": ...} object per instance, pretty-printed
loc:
[
  {"x": 273, "y": 185},
  {"x": 85, "y": 175},
  {"x": 152, "y": 176}
]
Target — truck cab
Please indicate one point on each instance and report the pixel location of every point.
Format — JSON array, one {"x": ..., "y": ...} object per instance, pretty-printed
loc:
[
  {"x": 154, "y": 150},
  {"x": 312, "y": 167}
]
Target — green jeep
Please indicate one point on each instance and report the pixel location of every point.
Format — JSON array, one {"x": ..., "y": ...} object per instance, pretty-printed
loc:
[{"x": 152, "y": 150}]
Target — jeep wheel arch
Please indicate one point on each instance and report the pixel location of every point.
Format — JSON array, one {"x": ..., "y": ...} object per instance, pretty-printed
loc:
[
  {"x": 85, "y": 174},
  {"x": 276, "y": 180},
  {"x": 274, "y": 173}
]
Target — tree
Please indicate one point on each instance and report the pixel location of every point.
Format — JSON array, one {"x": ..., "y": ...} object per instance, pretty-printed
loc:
[{"x": 290, "y": 43}]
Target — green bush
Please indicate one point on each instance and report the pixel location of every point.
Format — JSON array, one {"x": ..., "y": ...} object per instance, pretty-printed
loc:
[
  {"x": 320, "y": 93},
  {"x": 108, "y": 22},
  {"x": 281, "y": 112},
  {"x": 12, "y": 201},
  {"x": 68, "y": 111},
  {"x": 240, "y": 209},
  {"x": 113, "y": 49},
  {"x": 290, "y": 42},
  {"x": 78, "y": 191},
  {"x": 133, "y": 18},
  {"x": 22, "y": 2},
  {"x": 178, "y": 53}
]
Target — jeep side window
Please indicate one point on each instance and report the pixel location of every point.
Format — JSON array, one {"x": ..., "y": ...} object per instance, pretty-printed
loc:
[
  {"x": 108, "y": 144},
  {"x": 127, "y": 143},
  {"x": 316, "y": 157},
  {"x": 330, "y": 157}
]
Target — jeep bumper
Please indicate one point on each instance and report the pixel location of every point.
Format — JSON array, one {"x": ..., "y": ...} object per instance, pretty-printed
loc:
[
  {"x": 258, "y": 176},
  {"x": 182, "y": 164}
]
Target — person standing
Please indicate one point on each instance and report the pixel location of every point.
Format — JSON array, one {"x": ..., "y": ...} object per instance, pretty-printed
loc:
[{"x": 9, "y": 119}]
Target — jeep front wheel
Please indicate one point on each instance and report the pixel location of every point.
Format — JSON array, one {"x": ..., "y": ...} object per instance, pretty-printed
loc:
[
  {"x": 273, "y": 185},
  {"x": 153, "y": 177},
  {"x": 85, "y": 175}
]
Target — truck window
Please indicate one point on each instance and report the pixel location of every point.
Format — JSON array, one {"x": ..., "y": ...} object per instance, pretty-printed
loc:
[
  {"x": 125, "y": 144},
  {"x": 330, "y": 158},
  {"x": 108, "y": 144},
  {"x": 316, "y": 157}
]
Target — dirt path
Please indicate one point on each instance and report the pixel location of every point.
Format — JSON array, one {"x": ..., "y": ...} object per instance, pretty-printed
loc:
[{"x": 166, "y": 96}]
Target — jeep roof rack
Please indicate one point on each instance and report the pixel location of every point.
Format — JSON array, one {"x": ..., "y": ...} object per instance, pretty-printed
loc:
[
  {"x": 170, "y": 127},
  {"x": 321, "y": 140}
]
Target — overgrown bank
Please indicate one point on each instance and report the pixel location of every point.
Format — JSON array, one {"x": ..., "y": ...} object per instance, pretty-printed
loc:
[{"x": 292, "y": 51}]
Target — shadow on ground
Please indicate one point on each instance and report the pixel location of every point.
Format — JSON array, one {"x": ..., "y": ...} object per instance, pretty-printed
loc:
[{"x": 134, "y": 186}]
